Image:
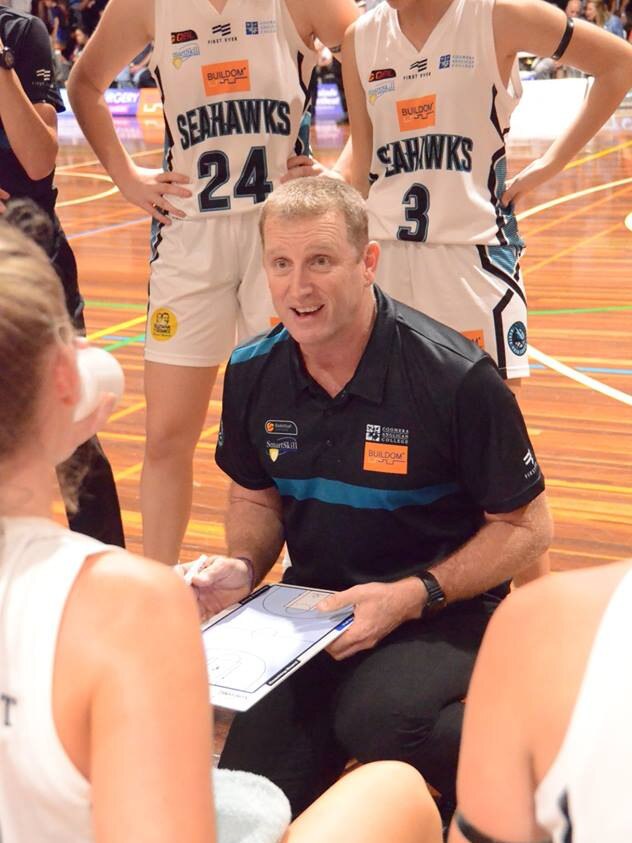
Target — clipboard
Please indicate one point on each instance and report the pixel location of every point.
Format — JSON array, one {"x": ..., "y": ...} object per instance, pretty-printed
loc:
[{"x": 255, "y": 644}]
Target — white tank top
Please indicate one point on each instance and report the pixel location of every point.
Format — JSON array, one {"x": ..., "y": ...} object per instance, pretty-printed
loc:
[
  {"x": 584, "y": 796},
  {"x": 43, "y": 797},
  {"x": 440, "y": 116},
  {"x": 234, "y": 91}
]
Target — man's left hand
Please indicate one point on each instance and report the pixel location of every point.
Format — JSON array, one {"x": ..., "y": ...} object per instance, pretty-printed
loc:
[
  {"x": 379, "y": 608},
  {"x": 301, "y": 166}
]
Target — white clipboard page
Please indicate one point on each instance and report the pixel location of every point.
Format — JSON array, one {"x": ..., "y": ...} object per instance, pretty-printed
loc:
[{"x": 255, "y": 644}]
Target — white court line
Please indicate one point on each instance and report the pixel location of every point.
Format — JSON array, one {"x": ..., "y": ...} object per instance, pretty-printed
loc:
[{"x": 591, "y": 383}]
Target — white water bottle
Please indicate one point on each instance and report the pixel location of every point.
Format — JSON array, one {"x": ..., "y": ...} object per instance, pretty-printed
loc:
[{"x": 99, "y": 372}]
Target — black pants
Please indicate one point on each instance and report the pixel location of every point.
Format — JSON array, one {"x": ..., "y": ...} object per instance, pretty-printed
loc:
[
  {"x": 401, "y": 701},
  {"x": 99, "y": 513}
]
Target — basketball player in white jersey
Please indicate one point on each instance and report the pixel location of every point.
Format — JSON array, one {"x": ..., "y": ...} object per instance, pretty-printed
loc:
[
  {"x": 547, "y": 742},
  {"x": 233, "y": 77},
  {"x": 431, "y": 85}
]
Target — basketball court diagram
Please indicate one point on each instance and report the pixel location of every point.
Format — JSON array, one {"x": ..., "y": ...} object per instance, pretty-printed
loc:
[{"x": 250, "y": 645}]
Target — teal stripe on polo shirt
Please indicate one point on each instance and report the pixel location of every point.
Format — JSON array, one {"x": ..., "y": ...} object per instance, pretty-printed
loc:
[
  {"x": 361, "y": 497},
  {"x": 258, "y": 347}
]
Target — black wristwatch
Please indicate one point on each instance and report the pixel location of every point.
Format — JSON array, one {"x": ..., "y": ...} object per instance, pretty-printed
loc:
[
  {"x": 7, "y": 58},
  {"x": 436, "y": 596}
]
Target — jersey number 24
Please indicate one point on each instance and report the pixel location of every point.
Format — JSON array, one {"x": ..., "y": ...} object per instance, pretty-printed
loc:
[{"x": 253, "y": 181}]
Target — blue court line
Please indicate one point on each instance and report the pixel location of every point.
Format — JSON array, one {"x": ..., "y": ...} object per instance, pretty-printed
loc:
[
  {"x": 105, "y": 228},
  {"x": 598, "y": 370}
]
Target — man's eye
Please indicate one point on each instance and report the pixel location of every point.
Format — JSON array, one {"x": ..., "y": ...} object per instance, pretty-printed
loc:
[
  {"x": 321, "y": 260},
  {"x": 280, "y": 263}
]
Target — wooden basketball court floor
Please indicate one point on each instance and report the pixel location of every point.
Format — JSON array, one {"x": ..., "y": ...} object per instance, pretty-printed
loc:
[{"x": 578, "y": 272}]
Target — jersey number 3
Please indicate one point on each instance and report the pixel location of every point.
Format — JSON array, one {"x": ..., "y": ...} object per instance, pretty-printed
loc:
[
  {"x": 253, "y": 181},
  {"x": 416, "y": 201}
]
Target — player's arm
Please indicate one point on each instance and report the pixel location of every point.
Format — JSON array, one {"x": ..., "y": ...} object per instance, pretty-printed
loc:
[
  {"x": 136, "y": 628},
  {"x": 538, "y": 28},
  {"x": 326, "y": 20},
  {"x": 126, "y": 27},
  {"x": 496, "y": 795},
  {"x": 31, "y": 128},
  {"x": 255, "y": 536},
  {"x": 360, "y": 122}
]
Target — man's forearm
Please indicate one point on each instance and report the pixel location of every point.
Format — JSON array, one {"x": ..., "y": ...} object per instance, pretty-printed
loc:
[
  {"x": 256, "y": 533},
  {"x": 31, "y": 140},
  {"x": 499, "y": 550}
]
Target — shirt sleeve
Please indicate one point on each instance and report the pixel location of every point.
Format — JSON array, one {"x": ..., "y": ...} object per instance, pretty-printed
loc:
[
  {"x": 236, "y": 453},
  {"x": 34, "y": 65},
  {"x": 496, "y": 460}
]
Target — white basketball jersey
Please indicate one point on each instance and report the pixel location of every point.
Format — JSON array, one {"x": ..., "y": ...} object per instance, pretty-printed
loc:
[
  {"x": 234, "y": 90},
  {"x": 584, "y": 796},
  {"x": 440, "y": 116}
]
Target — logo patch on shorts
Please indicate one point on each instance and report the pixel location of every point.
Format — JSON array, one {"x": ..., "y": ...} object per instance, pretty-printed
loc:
[
  {"x": 416, "y": 114},
  {"x": 517, "y": 338},
  {"x": 226, "y": 77},
  {"x": 475, "y": 336},
  {"x": 163, "y": 324}
]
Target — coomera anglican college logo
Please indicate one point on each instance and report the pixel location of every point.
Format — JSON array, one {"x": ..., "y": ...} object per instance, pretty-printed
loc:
[{"x": 386, "y": 449}]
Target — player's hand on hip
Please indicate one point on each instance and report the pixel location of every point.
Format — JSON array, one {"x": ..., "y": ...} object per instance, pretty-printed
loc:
[
  {"x": 379, "y": 608},
  {"x": 532, "y": 176},
  {"x": 150, "y": 189},
  {"x": 221, "y": 582},
  {"x": 300, "y": 166},
  {"x": 3, "y": 198}
]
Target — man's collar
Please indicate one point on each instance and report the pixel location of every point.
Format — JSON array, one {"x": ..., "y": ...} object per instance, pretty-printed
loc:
[{"x": 370, "y": 376}]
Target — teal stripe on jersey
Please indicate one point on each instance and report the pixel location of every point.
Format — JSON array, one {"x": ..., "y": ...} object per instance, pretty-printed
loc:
[
  {"x": 257, "y": 348},
  {"x": 361, "y": 497},
  {"x": 504, "y": 257}
]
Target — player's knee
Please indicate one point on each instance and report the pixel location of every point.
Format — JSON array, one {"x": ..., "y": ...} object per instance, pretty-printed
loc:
[{"x": 170, "y": 440}]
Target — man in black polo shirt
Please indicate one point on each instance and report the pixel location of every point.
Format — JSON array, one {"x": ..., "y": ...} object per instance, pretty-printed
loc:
[
  {"x": 29, "y": 102},
  {"x": 385, "y": 449}
]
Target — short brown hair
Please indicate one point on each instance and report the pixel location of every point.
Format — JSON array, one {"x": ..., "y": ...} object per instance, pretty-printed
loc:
[{"x": 315, "y": 196}]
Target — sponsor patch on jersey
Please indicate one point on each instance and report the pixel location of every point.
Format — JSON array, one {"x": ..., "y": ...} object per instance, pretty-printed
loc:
[
  {"x": 456, "y": 60},
  {"x": 280, "y": 447},
  {"x": 517, "y": 338},
  {"x": 163, "y": 324},
  {"x": 179, "y": 57},
  {"x": 382, "y": 73},
  {"x": 226, "y": 77},
  {"x": 260, "y": 27},
  {"x": 374, "y": 94},
  {"x": 530, "y": 464},
  {"x": 477, "y": 336},
  {"x": 184, "y": 36},
  {"x": 418, "y": 70},
  {"x": 222, "y": 33},
  {"x": 387, "y": 459},
  {"x": 281, "y": 427},
  {"x": 416, "y": 114}
]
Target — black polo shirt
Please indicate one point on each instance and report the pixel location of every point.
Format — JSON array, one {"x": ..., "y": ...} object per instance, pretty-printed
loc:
[
  {"x": 26, "y": 35},
  {"x": 396, "y": 471}
]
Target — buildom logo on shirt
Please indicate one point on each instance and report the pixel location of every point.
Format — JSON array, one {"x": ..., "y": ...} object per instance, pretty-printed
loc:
[
  {"x": 227, "y": 77},
  {"x": 416, "y": 114},
  {"x": 386, "y": 449}
]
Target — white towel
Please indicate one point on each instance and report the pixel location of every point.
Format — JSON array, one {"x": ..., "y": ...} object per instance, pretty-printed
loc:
[{"x": 249, "y": 808}]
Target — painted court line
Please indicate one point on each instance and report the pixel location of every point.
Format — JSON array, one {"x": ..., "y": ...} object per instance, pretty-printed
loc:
[{"x": 579, "y": 377}]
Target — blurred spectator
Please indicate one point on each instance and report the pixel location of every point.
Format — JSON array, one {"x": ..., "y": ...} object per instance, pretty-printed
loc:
[
  {"x": 597, "y": 12},
  {"x": 548, "y": 68},
  {"x": 137, "y": 73}
]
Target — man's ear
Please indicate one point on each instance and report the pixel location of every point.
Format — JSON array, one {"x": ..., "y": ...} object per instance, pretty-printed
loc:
[{"x": 371, "y": 259}]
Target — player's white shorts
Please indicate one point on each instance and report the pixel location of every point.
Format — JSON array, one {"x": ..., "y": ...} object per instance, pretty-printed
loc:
[
  {"x": 207, "y": 290},
  {"x": 477, "y": 290}
]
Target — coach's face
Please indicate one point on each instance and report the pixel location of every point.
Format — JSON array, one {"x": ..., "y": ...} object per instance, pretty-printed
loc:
[{"x": 319, "y": 282}]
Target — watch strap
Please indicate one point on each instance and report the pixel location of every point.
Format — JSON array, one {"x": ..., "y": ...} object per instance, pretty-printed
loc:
[{"x": 436, "y": 595}]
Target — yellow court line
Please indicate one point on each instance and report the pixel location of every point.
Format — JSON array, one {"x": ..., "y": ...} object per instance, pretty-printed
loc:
[
  {"x": 528, "y": 270},
  {"x": 114, "y": 329},
  {"x": 577, "y": 213},
  {"x": 589, "y": 487},
  {"x": 83, "y": 200},
  {"x": 95, "y": 161},
  {"x": 552, "y": 203},
  {"x": 126, "y": 412},
  {"x": 134, "y": 469},
  {"x": 595, "y": 155}
]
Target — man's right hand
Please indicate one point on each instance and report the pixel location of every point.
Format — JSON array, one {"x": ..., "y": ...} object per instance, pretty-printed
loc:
[
  {"x": 220, "y": 583},
  {"x": 3, "y": 198},
  {"x": 149, "y": 189}
]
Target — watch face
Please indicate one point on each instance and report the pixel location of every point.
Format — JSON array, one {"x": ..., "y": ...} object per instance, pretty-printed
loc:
[{"x": 8, "y": 59}]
